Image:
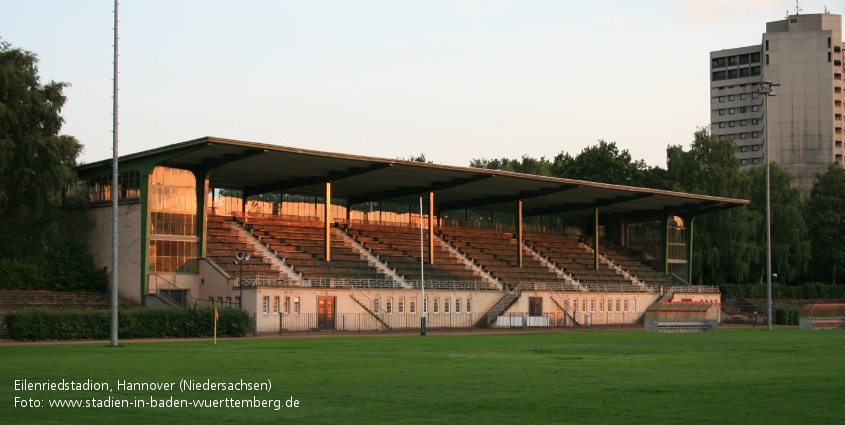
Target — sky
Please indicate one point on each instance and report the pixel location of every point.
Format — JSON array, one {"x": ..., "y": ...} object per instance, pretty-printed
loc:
[{"x": 455, "y": 80}]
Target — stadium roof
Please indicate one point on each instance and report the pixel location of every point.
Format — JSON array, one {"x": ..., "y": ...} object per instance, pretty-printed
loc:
[{"x": 261, "y": 168}]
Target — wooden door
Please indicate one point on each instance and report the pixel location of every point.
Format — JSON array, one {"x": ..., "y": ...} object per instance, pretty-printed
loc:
[{"x": 325, "y": 313}]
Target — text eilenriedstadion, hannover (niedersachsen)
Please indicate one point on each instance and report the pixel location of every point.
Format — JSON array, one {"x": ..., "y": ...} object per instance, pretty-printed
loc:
[{"x": 125, "y": 387}]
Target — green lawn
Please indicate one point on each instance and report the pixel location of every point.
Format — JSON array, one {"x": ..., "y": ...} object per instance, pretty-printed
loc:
[{"x": 732, "y": 376}]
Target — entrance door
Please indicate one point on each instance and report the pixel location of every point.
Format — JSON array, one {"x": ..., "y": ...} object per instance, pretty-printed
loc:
[
  {"x": 325, "y": 313},
  {"x": 535, "y": 306}
]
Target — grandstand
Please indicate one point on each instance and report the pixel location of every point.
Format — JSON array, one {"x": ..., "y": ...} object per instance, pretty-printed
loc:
[{"x": 344, "y": 242}]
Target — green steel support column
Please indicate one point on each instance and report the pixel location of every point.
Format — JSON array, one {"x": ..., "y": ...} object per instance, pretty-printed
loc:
[
  {"x": 596, "y": 237},
  {"x": 690, "y": 234},
  {"x": 327, "y": 205},
  {"x": 145, "y": 233},
  {"x": 202, "y": 216},
  {"x": 519, "y": 232},
  {"x": 665, "y": 243},
  {"x": 430, "y": 227}
]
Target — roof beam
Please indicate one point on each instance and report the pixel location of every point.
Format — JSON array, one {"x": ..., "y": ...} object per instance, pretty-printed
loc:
[
  {"x": 584, "y": 205},
  {"x": 679, "y": 210},
  {"x": 500, "y": 199},
  {"x": 417, "y": 190},
  {"x": 209, "y": 164},
  {"x": 283, "y": 185}
]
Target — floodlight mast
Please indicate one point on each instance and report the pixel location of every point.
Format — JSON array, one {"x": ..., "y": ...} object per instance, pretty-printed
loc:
[
  {"x": 422, "y": 273},
  {"x": 114, "y": 205},
  {"x": 766, "y": 90}
]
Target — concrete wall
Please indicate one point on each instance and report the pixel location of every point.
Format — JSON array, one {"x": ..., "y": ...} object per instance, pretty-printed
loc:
[
  {"x": 129, "y": 245},
  {"x": 592, "y": 307}
]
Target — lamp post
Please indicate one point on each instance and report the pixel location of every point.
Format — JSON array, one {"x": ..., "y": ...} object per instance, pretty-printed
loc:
[
  {"x": 241, "y": 257},
  {"x": 766, "y": 91}
]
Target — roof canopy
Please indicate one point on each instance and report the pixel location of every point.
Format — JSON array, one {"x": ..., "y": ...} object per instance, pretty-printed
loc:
[{"x": 260, "y": 168}]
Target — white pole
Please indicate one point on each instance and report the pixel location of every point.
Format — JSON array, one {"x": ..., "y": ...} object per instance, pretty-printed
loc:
[
  {"x": 114, "y": 208},
  {"x": 422, "y": 271}
]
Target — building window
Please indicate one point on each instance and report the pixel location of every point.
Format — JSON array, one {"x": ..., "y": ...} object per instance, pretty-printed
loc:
[
  {"x": 755, "y": 121},
  {"x": 755, "y": 108},
  {"x": 228, "y": 301},
  {"x": 732, "y": 136},
  {"x": 626, "y": 305},
  {"x": 721, "y": 137},
  {"x": 425, "y": 305},
  {"x": 743, "y": 136},
  {"x": 755, "y": 71},
  {"x": 755, "y": 135},
  {"x": 447, "y": 305},
  {"x": 721, "y": 125},
  {"x": 828, "y": 56},
  {"x": 617, "y": 306},
  {"x": 469, "y": 305},
  {"x": 743, "y": 148},
  {"x": 756, "y": 161},
  {"x": 265, "y": 306},
  {"x": 721, "y": 99},
  {"x": 276, "y": 303},
  {"x": 732, "y": 124},
  {"x": 220, "y": 302},
  {"x": 742, "y": 110},
  {"x": 457, "y": 306},
  {"x": 437, "y": 306},
  {"x": 755, "y": 148},
  {"x": 238, "y": 302},
  {"x": 755, "y": 57},
  {"x": 286, "y": 306},
  {"x": 743, "y": 162},
  {"x": 742, "y": 96},
  {"x": 731, "y": 98},
  {"x": 583, "y": 306},
  {"x": 389, "y": 305},
  {"x": 592, "y": 306},
  {"x": 731, "y": 111},
  {"x": 721, "y": 112},
  {"x": 296, "y": 305},
  {"x": 767, "y": 47},
  {"x": 401, "y": 305},
  {"x": 414, "y": 305},
  {"x": 743, "y": 122},
  {"x": 377, "y": 305}
]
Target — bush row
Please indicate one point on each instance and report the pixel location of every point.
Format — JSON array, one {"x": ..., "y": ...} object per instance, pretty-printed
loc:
[
  {"x": 811, "y": 290},
  {"x": 786, "y": 316},
  {"x": 68, "y": 267},
  {"x": 152, "y": 322}
]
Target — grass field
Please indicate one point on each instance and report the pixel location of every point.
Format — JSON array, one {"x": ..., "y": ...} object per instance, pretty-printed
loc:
[{"x": 732, "y": 376}]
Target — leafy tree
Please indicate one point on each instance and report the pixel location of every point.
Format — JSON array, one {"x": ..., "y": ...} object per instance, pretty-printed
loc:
[
  {"x": 524, "y": 165},
  {"x": 36, "y": 162},
  {"x": 420, "y": 158},
  {"x": 725, "y": 243},
  {"x": 790, "y": 245},
  {"x": 826, "y": 219},
  {"x": 605, "y": 163}
]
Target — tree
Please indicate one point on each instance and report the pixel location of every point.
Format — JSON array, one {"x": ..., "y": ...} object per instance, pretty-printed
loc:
[
  {"x": 36, "y": 162},
  {"x": 725, "y": 243},
  {"x": 420, "y": 158},
  {"x": 605, "y": 163},
  {"x": 790, "y": 246},
  {"x": 826, "y": 219},
  {"x": 525, "y": 165}
]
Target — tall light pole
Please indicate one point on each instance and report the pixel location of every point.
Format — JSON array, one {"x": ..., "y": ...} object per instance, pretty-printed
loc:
[
  {"x": 114, "y": 195},
  {"x": 766, "y": 91}
]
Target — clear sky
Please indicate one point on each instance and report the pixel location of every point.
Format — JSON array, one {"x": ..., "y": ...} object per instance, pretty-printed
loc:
[{"x": 455, "y": 80}]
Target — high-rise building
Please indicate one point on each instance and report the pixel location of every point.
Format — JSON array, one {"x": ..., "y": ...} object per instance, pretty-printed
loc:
[{"x": 802, "y": 53}]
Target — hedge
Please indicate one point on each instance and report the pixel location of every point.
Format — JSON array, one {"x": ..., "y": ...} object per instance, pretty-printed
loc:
[
  {"x": 786, "y": 316},
  {"x": 152, "y": 322},
  {"x": 67, "y": 267},
  {"x": 810, "y": 290}
]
